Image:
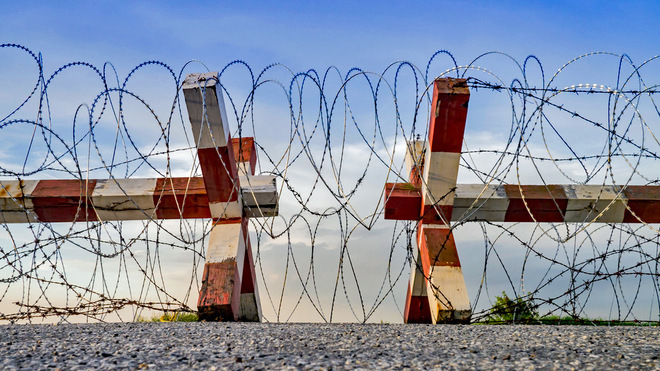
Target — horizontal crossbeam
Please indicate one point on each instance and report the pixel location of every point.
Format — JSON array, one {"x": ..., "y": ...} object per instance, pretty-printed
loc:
[
  {"x": 125, "y": 199},
  {"x": 529, "y": 203}
]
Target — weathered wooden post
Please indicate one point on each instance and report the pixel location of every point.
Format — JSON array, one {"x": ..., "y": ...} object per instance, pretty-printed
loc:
[{"x": 228, "y": 285}]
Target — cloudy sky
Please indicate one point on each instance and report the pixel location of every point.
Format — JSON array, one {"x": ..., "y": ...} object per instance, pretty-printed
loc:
[{"x": 315, "y": 35}]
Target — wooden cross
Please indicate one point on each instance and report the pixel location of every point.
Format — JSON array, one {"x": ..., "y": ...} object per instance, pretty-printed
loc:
[
  {"x": 228, "y": 192},
  {"x": 436, "y": 290}
]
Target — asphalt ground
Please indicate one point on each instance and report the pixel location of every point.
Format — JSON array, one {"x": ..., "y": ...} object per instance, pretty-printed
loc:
[{"x": 325, "y": 346}]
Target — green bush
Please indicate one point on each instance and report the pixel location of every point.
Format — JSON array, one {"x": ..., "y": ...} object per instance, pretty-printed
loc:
[{"x": 507, "y": 310}]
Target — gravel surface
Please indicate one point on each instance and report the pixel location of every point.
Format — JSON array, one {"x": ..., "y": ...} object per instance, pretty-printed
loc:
[{"x": 322, "y": 346}]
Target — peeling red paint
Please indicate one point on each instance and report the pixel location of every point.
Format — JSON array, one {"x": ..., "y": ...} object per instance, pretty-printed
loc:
[
  {"x": 181, "y": 197},
  {"x": 64, "y": 200},
  {"x": 218, "y": 298},
  {"x": 447, "y": 126}
]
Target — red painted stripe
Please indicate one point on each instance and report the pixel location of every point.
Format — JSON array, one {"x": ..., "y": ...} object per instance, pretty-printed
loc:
[
  {"x": 546, "y": 203},
  {"x": 245, "y": 151},
  {"x": 432, "y": 213},
  {"x": 423, "y": 251},
  {"x": 220, "y": 173},
  {"x": 417, "y": 309},
  {"x": 438, "y": 248},
  {"x": 448, "y": 114},
  {"x": 644, "y": 201},
  {"x": 402, "y": 201},
  {"x": 181, "y": 197},
  {"x": 249, "y": 275},
  {"x": 64, "y": 200},
  {"x": 219, "y": 300}
]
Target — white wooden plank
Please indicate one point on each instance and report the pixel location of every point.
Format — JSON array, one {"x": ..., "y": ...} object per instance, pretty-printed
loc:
[
  {"x": 232, "y": 209},
  {"x": 440, "y": 172},
  {"x": 226, "y": 243},
  {"x": 207, "y": 113},
  {"x": 260, "y": 197},
  {"x": 124, "y": 199},
  {"x": 480, "y": 202},
  {"x": 586, "y": 202}
]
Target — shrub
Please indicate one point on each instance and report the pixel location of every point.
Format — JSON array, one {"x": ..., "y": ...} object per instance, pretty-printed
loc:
[
  {"x": 172, "y": 317},
  {"x": 507, "y": 310}
]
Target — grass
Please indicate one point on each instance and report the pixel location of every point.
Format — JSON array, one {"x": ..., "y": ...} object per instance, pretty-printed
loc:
[
  {"x": 564, "y": 321},
  {"x": 498, "y": 317},
  {"x": 171, "y": 317},
  {"x": 567, "y": 320},
  {"x": 520, "y": 311}
]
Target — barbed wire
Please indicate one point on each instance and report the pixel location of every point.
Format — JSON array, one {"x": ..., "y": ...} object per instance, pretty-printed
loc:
[{"x": 333, "y": 140}]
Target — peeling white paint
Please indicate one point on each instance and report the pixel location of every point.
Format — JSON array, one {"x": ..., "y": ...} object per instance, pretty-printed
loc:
[
  {"x": 124, "y": 199},
  {"x": 223, "y": 210}
]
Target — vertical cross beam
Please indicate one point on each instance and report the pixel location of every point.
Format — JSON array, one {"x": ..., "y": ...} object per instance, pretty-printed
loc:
[
  {"x": 446, "y": 291},
  {"x": 229, "y": 270},
  {"x": 436, "y": 291}
]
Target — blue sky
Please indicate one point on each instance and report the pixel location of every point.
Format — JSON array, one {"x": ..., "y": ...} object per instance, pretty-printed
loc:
[{"x": 306, "y": 34}]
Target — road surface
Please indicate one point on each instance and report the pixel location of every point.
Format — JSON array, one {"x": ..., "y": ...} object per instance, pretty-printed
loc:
[{"x": 325, "y": 346}]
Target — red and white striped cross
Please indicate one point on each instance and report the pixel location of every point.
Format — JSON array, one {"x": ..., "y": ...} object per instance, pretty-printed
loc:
[
  {"x": 228, "y": 192},
  {"x": 436, "y": 291},
  {"x": 229, "y": 290}
]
